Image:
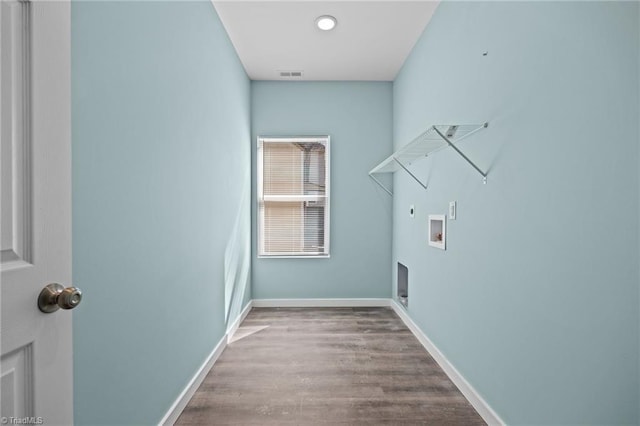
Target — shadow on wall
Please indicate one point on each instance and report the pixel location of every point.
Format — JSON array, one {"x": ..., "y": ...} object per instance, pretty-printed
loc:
[{"x": 237, "y": 260}]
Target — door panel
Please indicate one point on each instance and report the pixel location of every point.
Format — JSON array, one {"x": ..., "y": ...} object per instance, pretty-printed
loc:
[
  {"x": 35, "y": 209},
  {"x": 16, "y": 215},
  {"x": 17, "y": 386}
]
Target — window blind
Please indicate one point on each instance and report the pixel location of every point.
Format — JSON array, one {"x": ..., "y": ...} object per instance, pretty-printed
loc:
[{"x": 293, "y": 196}]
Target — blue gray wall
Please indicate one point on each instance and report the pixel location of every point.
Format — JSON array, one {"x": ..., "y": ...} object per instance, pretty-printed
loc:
[
  {"x": 161, "y": 183},
  {"x": 357, "y": 116},
  {"x": 535, "y": 300}
]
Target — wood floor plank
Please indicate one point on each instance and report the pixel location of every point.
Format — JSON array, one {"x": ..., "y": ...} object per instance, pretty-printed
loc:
[{"x": 319, "y": 366}]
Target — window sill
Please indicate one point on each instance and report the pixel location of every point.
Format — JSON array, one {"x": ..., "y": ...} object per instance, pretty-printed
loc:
[{"x": 319, "y": 256}]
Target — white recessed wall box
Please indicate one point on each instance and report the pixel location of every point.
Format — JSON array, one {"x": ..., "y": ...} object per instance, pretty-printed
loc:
[{"x": 438, "y": 231}]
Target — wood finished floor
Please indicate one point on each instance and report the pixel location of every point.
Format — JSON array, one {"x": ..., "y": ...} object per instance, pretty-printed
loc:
[{"x": 337, "y": 366}]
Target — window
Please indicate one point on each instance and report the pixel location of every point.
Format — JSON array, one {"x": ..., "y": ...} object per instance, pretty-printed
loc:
[{"x": 293, "y": 197}]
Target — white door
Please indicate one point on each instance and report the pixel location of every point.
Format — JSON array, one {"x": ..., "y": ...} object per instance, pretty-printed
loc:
[{"x": 36, "y": 364}]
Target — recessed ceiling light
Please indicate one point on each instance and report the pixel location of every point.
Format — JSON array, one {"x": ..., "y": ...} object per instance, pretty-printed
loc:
[{"x": 326, "y": 22}]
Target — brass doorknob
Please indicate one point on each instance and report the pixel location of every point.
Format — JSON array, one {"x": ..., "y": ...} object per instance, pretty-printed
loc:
[{"x": 54, "y": 297}]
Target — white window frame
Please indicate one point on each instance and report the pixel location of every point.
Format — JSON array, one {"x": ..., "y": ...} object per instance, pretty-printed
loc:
[{"x": 260, "y": 196}]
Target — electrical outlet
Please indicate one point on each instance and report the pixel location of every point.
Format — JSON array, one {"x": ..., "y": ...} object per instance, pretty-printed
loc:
[{"x": 452, "y": 210}]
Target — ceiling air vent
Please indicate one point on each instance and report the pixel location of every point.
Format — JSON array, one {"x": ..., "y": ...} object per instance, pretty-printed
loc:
[{"x": 290, "y": 74}]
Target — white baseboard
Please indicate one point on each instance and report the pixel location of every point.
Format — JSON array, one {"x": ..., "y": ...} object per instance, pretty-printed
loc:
[
  {"x": 234, "y": 327},
  {"x": 183, "y": 399},
  {"x": 481, "y": 406},
  {"x": 319, "y": 303}
]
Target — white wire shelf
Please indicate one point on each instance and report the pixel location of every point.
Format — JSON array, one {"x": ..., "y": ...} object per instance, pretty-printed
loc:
[{"x": 435, "y": 138}]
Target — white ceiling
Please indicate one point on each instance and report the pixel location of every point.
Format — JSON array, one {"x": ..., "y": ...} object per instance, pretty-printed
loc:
[{"x": 370, "y": 42}]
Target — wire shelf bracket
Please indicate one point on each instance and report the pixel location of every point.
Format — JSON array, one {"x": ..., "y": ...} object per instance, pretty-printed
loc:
[{"x": 433, "y": 139}]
